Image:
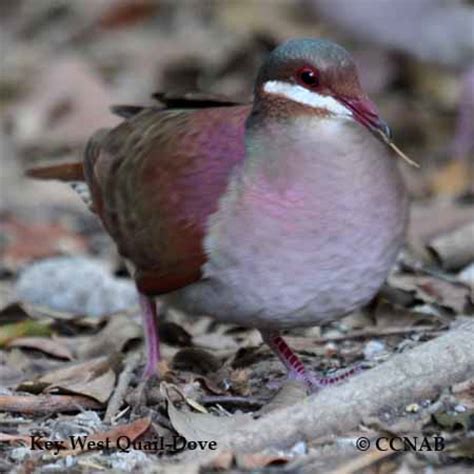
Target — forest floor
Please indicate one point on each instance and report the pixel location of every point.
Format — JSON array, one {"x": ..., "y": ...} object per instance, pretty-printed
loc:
[{"x": 71, "y": 351}]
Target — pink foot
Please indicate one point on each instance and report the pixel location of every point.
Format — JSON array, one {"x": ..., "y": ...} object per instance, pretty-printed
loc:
[
  {"x": 316, "y": 382},
  {"x": 296, "y": 368}
]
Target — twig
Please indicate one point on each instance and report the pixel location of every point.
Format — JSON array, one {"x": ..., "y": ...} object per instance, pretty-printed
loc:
[
  {"x": 40, "y": 404},
  {"x": 397, "y": 150},
  {"x": 363, "y": 461},
  {"x": 118, "y": 396},
  {"x": 374, "y": 332},
  {"x": 247, "y": 402},
  {"x": 430, "y": 270}
]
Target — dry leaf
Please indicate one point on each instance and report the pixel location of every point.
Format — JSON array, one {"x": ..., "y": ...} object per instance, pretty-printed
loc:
[
  {"x": 13, "y": 438},
  {"x": 130, "y": 432},
  {"x": 259, "y": 460},
  {"x": 433, "y": 291},
  {"x": 388, "y": 316},
  {"x": 53, "y": 347},
  {"x": 462, "y": 449},
  {"x": 174, "y": 334},
  {"x": 239, "y": 381},
  {"x": 427, "y": 220},
  {"x": 464, "y": 393},
  {"x": 444, "y": 293},
  {"x": 453, "y": 421},
  {"x": 94, "y": 379},
  {"x": 455, "y": 249},
  {"x": 196, "y": 360},
  {"x": 119, "y": 331},
  {"x": 232, "y": 380},
  {"x": 201, "y": 426},
  {"x": 181, "y": 396},
  {"x": 210, "y": 385},
  {"x": 223, "y": 460},
  {"x": 215, "y": 342},
  {"x": 42, "y": 313},
  {"x": 10, "y": 332}
]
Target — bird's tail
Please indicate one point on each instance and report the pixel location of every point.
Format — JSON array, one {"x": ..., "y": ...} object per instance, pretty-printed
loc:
[
  {"x": 71, "y": 173},
  {"x": 63, "y": 172}
]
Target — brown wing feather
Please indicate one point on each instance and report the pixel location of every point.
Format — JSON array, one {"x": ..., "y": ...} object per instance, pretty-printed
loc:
[{"x": 156, "y": 178}]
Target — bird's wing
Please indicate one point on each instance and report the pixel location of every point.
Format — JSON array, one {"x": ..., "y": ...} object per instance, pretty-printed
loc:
[
  {"x": 156, "y": 178},
  {"x": 193, "y": 100},
  {"x": 169, "y": 101}
]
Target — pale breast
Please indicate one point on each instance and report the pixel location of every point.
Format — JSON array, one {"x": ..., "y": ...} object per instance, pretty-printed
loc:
[{"x": 303, "y": 234}]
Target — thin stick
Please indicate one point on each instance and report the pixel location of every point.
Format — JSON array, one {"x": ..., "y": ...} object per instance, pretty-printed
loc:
[
  {"x": 363, "y": 461},
  {"x": 245, "y": 402},
  {"x": 116, "y": 400},
  {"x": 366, "y": 333},
  {"x": 39, "y": 404},
  {"x": 397, "y": 150},
  {"x": 402, "y": 155}
]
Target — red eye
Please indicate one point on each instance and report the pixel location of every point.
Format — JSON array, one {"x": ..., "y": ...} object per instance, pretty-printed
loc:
[{"x": 308, "y": 77}]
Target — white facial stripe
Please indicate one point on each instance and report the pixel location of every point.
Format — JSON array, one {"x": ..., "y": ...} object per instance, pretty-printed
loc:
[{"x": 304, "y": 96}]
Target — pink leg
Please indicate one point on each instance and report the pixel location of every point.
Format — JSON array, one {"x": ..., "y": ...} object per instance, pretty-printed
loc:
[
  {"x": 295, "y": 367},
  {"x": 152, "y": 340}
]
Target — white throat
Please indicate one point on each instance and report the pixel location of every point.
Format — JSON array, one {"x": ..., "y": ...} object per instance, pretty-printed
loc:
[{"x": 304, "y": 96}]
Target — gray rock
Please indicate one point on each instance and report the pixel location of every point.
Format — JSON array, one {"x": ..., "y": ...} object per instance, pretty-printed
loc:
[{"x": 81, "y": 286}]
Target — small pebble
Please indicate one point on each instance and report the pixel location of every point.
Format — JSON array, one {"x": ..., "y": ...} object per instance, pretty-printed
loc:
[
  {"x": 460, "y": 408},
  {"x": 330, "y": 349},
  {"x": 467, "y": 275},
  {"x": 299, "y": 449},
  {"x": 374, "y": 349},
  {"x": 412, "y": 408},
  {"x": 20, "y": 454},
  {"x": 128, "y": 461}
]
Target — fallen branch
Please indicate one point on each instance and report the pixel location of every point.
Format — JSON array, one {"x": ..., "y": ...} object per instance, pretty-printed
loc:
[{"x": 413, "y": 375}]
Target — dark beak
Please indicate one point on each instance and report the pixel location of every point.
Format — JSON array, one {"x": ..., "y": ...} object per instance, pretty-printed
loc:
[{"x": 384, "y": 128}]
